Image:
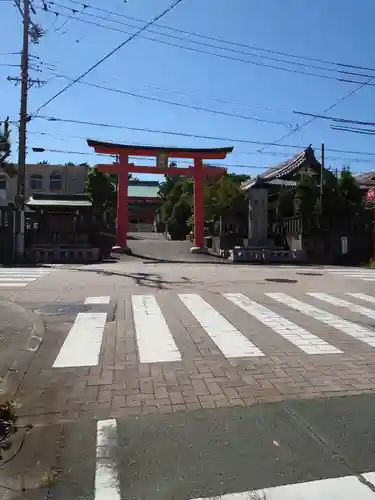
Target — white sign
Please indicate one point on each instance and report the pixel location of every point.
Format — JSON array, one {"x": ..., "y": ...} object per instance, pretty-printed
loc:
[{"x": 344, "y": 245}]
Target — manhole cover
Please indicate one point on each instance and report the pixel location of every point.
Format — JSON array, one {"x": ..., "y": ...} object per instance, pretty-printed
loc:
[
  {"x": 281, "y": 280},
  {"x": 63, "y": 309},
  {"x": 311, "y": 274}
]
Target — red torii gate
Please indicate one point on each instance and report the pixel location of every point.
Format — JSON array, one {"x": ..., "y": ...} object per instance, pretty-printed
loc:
[{"x": 162, "y": 154}]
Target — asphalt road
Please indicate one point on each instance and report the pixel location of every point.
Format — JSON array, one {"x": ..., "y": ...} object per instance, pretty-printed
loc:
[
  {"x": 197, "y": 427},
  {"x": 201, "y": 454}
]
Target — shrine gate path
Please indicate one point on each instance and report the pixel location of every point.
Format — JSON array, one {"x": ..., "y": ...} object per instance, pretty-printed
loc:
[{"x": 198, "y": 171}]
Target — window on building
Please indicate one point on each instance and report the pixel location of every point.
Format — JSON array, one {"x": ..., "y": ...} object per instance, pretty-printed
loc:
[
  {"x": 3, "y": 183},
  {"x": 55, "y": 182},
  {"x": 36, "y": 182}
]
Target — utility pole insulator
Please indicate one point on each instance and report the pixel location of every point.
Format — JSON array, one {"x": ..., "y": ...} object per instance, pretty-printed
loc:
[{"x": 30, "y": 81}]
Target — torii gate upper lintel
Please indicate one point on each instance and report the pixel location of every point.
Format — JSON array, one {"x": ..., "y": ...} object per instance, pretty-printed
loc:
[{"x": 198, "y": 171}]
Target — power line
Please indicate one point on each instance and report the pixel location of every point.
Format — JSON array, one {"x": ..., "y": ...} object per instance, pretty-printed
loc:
[
  {"x": 336, "y": 103},
  {"x": 334, "y": 70},
  {"x": 195, "y": 136},
  {"x": 221, "y": 40},
  {"x": 107, "y": 56},
  {"x": 63, "y": 137},
  {"x": 222, "y": 56},
  {"x": 173, "y": 103},
  {"x": 354, "y": 130},
  {"x": 336, "y": 119},
  {"x": 169, "y": 91}
]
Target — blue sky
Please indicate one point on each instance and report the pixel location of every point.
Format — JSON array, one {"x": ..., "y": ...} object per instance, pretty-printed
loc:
[{"x": 340, "y": 31}]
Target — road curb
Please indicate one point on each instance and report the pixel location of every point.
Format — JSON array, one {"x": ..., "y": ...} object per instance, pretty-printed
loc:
[{"x": 25, "y": 356}]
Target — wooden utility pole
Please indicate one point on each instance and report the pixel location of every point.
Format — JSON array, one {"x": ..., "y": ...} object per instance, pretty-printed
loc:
[
  {"x": 321, "y": 177},
  {"x": 20, "y": 205}
]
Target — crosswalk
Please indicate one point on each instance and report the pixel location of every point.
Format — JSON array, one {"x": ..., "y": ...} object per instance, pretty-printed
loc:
[
  {"x": 21, "y": 277},
  {"x": 362, "y": 274},
  {"x": 236, "y": 327}
]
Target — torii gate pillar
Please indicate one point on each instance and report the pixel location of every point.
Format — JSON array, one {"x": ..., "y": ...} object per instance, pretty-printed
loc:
[{"x": 123, "y": 168}]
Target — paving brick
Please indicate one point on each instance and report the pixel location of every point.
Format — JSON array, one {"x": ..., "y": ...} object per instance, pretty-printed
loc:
[
  {"x": 230, "y": 392},
  {"x": 179, "y": 407},
  {"x": 200, "y": 387},
  {"x": 176, "y": 398},
  {"x": 105, "y": 395},
  {"x": 160, "y": 392},
  {"x": 214, "y": 388},
  {"x": 163, "y": 402},
  {"x": 208, "y": 404}
]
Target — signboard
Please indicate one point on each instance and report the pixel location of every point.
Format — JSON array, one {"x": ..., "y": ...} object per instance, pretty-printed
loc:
[
  {"x": 162, "y": 161},
  {"x": 370, "y": 196}
]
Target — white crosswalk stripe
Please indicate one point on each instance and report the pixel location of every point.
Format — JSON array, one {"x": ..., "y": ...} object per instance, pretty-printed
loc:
[
  {"x": 344, "y": 303},
  {"x": 229, "y": 340},
  {"x": 359, "y": 332},
  {"x": 21, "y": 277},
  {"x": 306, "y": 341},
  {"x": 362, "y": 274},
  {"x": 157, "y": 341},
  {"x": 363, "y": 296}
]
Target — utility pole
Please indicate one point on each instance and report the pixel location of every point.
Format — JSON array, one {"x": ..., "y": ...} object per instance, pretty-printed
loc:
[{"x": 20, "y": 203}]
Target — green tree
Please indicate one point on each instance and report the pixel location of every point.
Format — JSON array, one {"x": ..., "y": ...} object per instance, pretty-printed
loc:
[
  {"x": 306, "y": 195},
  {"x": 223, "y": 198},
  {"x": 5, "y": 145},
  {"x": 101, "y": 190}
]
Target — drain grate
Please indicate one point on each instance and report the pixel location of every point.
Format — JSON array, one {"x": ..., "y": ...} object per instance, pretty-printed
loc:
[
  {"x": 63, "y": 309},
  {"x": 281, "y": 280},
  {"x": 311, "y": 274}
]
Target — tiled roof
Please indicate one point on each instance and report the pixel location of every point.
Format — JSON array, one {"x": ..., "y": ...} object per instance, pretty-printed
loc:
[
  {"x": 289, "y": 166},
  {"x": 366, "y": 179},
  {"x": 284, "y": 169}
]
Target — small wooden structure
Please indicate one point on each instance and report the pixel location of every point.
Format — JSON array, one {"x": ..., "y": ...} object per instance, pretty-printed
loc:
[{"x": 59, "y": 228}]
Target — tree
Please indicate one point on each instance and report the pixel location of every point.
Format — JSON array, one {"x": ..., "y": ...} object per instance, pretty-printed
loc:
[
  {"x": 101, "y": 190},
  {"x": 5, "y": 151},
  {"x": 306, "y": 195},
  {"x": 223, "y": 198},
  {"x": 5, "y": 146}
]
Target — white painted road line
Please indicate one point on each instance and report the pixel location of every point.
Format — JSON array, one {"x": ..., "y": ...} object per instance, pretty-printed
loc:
[
  {"x": 14, "y": 277},
  {"x": 304, "y": 340},
  {"x": 107, "y": 484},
  {"x": 13, "y": 284},
  {"x": 340, "y": 488},
  {"x": 345, "y": 326},
  {"x": 154, "y": 339},
  {"x": 21, "y": 273},
  {"x": 351, "y": 273},
  {"x": 98, "y": 300},
  {"x": 231, "y": 342},
  {"x": 83, "y": 343},
  {"x": 365, "y": 311},
  {"x": 363, "y": 296}
]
